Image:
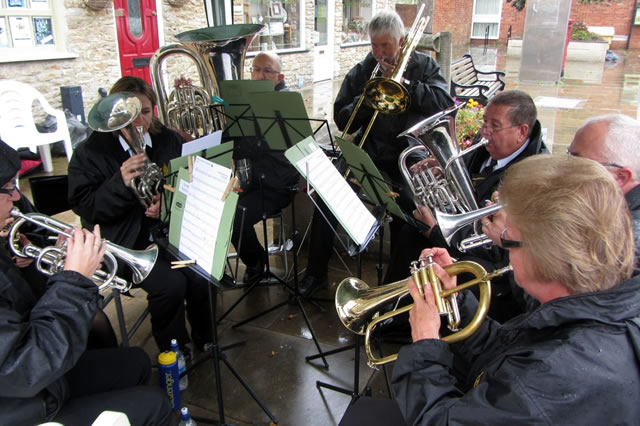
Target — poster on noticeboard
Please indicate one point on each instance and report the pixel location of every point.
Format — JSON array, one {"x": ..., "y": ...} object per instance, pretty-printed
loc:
[
  {"x": 4, "y": 39},
  {"x": 20, "y": 31},
  {"x": 43, "y": 31},
  {"x": 16, "y": 3}
]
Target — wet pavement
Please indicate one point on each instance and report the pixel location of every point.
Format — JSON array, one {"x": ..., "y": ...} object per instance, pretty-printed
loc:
[{"x": 271, "y": 356}]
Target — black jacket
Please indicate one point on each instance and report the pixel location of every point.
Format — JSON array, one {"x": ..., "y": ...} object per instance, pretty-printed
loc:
[
  {"x": 633, "y": 201},
  {"x": 278, "y": 172},
  {"x": 97, "y": 192},
  {"x": 42, "y": 339},
  {"x": 429, "y": 95},
  {"x": 572, "y": 361}
]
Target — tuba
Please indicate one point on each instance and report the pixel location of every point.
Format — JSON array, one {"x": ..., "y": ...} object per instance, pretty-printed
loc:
[
  {"x": 359, "y": 306},
  {"x": 218, "y": 53},
  {"x": 445, "y": 188},
  {"x": 50, "y": 260},
  {"x": 119, "y": 111}
]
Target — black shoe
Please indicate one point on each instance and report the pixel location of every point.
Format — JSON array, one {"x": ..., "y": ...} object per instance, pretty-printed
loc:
[
  {"x": 309, "y": 283},
  {"x": 253, "y": 274}
]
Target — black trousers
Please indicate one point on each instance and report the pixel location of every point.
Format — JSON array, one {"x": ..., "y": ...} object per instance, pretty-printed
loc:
[
  {"x": 251, "y": 251},
  {"x": 113, "y": 379},
  {"x": 167, "y": 290}
]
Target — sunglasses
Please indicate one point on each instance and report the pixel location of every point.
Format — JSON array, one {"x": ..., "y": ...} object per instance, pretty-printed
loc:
[{"x": 508, "y": 244}]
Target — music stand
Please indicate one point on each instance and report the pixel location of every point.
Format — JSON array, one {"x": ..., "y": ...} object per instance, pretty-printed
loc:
[
  {"x": 378, "y": 193},
  {"x": 281, "y": 126},
  {"x": 212, "y": 271}
]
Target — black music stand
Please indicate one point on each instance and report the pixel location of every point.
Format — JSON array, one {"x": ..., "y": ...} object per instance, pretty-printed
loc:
[
  {"x": 281, "y": 127},
  {"x": 378, "y": 193},
  {"x": 214, "y": 352}
]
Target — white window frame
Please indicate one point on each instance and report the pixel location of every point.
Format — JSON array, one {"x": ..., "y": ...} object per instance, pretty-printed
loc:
[
  {"x": 38, "y": 53},
  {"x": 486, "y": 19}
]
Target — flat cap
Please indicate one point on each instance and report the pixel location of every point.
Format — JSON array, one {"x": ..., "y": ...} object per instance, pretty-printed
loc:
[{"x": 9, "y": 163}]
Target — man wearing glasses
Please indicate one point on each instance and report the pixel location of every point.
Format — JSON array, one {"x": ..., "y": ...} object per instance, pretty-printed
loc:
[
  {"x": 513, "y": 132},
  {"x": 266, "y": 180}
]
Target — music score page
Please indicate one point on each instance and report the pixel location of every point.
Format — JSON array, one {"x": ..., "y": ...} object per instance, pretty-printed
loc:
[
  {"x": 203, "y": 211},
  {"x": 353, "y": 215}
]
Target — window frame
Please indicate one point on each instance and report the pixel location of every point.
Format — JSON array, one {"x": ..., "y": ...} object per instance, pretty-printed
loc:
[
  {"x": 56, "y": 12},
  {"x": 486, "y": 19}
]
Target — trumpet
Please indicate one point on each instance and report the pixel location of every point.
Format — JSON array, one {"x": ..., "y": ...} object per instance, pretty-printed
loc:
[
  {"x": 118, "y": 111},
  {"x": 359, "y": 306},
  {"x": 50, "y": 260}
]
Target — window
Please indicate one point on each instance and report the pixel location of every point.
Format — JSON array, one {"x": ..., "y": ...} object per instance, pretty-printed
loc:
[
  {"x": 282, "y": 20},
  {"x": 29, "y": 30},
  {"x": 355, "y": 20},
  {"x": 486, "y": 18}
]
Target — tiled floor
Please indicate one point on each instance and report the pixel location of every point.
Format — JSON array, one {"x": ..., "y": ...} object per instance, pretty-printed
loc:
[{"x": 272, "y": 357}]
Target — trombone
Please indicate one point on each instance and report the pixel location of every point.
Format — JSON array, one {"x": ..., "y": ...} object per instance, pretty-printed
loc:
[
  {"x": 358, "y": 306},
  {"x": 50, "y": 260}
]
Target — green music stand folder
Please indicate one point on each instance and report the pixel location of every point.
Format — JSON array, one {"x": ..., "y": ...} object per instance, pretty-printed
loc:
[
  {"x": 214, "y": 246},
  {"x": 238, "y": 112},
  {"x": 282, "y": 118},
  {"x": 354, "y": 217},
  {"x": 369, "y": 177}
]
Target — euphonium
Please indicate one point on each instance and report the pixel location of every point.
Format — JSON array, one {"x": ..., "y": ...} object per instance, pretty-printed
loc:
[
  {"x": 50, "y": 260},
  {"x": 359, "y": 306},
  {"x": 446, "y": 187},
  {"x": 119, "y": 111}
]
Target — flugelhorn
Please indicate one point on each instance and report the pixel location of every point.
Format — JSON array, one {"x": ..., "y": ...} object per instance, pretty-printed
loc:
[
  {"x": 50, "y": 260},
  {"x": 119, "y": 111},
  {"x": 359, "y": 306}
]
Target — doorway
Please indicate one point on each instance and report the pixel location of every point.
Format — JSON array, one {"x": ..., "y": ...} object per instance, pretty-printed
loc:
[
  {"x": 323, "y": 40},
  {"x": 137, "y": 32}
]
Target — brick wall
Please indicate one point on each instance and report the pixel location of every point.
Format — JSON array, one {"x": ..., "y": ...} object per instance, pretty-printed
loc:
[{"x": 454, "y": 16}]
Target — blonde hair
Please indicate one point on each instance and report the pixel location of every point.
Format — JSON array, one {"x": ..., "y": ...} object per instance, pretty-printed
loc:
[{"x": 573, "y": 221}]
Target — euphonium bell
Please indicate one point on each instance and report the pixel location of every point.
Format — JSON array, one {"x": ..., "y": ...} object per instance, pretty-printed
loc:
[
  {"x": 50, "y": 260},
  {"x": 359, "y": 306}
]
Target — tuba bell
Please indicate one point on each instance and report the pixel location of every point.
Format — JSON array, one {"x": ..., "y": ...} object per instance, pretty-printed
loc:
[
  {"x": 359, "y": 307},
  {"x": 218, "y": 53}
]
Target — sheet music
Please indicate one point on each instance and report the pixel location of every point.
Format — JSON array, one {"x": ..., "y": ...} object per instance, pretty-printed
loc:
[
  {"x": 202, "y": 143},
  {"x": 203, "y": 211},
  {"x": 338, "y": 195}
]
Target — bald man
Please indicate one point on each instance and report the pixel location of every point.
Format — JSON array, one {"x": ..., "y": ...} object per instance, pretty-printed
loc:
[
  {"x": 612, "y": 140},
  {"x": 268, "y": 185}
]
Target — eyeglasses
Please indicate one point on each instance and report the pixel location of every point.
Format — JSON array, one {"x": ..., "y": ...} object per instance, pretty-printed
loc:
[
  {"x": 616, "y": 165},
  {"x": 9, "y": 191},
  {"x": 266, "y": 71},
  {"x": 509, "y": 244},
  {"x": 492, "y": 130}
]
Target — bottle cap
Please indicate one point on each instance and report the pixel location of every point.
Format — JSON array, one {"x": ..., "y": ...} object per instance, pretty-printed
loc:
[{"x": 166, "y": 358}]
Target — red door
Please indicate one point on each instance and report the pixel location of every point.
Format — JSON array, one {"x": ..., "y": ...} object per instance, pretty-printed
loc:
[{"x": 137, "y": 28}]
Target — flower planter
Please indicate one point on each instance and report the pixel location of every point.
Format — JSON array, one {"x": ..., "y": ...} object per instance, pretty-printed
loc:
[{"x": 585, "y": 51}]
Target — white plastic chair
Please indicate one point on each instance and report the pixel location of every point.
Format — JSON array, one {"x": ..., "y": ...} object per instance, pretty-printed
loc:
[{"x": 18, "y": 128}]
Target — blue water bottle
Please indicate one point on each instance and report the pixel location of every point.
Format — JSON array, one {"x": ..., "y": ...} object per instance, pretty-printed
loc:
[{"x": 170, "y": 377}]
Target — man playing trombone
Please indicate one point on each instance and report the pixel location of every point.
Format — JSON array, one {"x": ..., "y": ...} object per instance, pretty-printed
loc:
[
  {"x": 569, "y": 236},
  {"x": 429, "y": 94}
]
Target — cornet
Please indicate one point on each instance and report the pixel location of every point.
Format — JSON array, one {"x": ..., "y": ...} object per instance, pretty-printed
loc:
[
  {"x": 50, "y": 260},
  {"x": 119, "y": 111},
  {"x": 358, "y": 306}
]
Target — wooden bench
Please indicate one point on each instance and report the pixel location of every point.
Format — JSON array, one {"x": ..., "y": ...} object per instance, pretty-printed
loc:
[{"x": 466, "y": 85}]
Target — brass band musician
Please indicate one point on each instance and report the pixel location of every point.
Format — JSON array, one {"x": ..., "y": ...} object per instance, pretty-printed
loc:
[
  {"x": 429, "y": 95},
  {"x": 569, "y": 236}
]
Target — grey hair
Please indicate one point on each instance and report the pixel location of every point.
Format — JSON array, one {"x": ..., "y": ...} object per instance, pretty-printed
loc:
[
  {"x": 387, "y": 22},
  {"x": 621, "y": 143}
]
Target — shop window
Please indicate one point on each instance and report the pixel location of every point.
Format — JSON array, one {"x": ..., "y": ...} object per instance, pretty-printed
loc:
[
  {"x": 486, "y": 19},
  {"x": 356, "y": 17},
  {"x": 29, "y": 30},
  {"x": 282, "y": 20}
]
